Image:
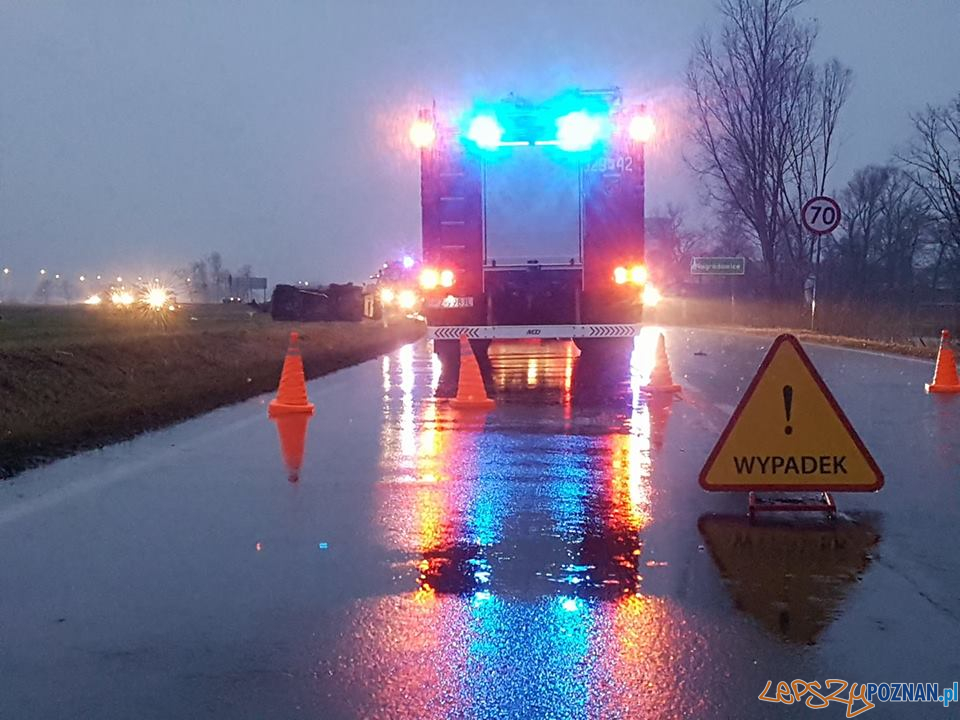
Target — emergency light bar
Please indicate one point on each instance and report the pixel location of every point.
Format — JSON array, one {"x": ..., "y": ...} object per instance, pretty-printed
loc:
[{"x": 574, "y": 122}]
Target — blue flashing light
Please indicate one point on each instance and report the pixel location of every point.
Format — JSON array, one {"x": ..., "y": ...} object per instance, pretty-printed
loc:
[
  {"x": 578, "y": 131},
  {"x": 485, "y": 132},
  {"x": 569, "y": 604},
  {"x": 567, "y": 127}
]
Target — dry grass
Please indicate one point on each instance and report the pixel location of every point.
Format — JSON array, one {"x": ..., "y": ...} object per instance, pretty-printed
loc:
[
  {"x": 884, "y": 346},
  {"x": 74, "y": 378},
  {"x": 877, "y": 329}
]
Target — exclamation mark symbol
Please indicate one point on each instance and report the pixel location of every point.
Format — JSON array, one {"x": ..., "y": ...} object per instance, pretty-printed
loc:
[{"x": 788, "y": 406}]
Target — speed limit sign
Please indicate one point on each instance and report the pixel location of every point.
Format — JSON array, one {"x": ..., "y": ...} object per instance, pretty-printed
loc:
[{"x": 821, "y": 215}]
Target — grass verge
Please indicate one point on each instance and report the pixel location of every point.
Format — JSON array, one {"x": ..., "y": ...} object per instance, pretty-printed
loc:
[{"x": 78, "y": 378}]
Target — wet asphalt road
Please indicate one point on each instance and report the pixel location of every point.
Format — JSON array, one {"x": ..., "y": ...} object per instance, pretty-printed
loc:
[{"x": 554, "y": 558}]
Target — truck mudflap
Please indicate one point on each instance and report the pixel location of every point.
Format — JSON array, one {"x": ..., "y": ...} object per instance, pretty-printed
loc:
[{"x": 517, "y": 332}]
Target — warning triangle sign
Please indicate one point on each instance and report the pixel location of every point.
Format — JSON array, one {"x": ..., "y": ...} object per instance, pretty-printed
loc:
[{"x": 788, "y": 433}]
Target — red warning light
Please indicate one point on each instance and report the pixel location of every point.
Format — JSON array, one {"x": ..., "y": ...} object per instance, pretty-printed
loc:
[
  {"x": 423, "y": 134},
  {"x": 642, "y": 128}
]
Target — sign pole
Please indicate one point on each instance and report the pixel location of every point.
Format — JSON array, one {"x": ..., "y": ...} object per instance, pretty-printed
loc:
[
  {"x": 816, "y": 283},
  {"x": 733, "y": 308}
]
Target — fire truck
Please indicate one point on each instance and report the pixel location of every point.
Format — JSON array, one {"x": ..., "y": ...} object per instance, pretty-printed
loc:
[
  {"x": 393, "y": 291},
  {"x": 533, "y": 221}
]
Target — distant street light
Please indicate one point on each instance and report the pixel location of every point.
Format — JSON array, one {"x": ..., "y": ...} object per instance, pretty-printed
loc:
[
  {"x": 42, "y": 271},
  {"x": 57, "y": 276},
  {"x": 82, "y": 278},
  {"x": 6, "y": 271},
  {"x": 98, "y": 277},
  {"x": 119, "y": 279}
]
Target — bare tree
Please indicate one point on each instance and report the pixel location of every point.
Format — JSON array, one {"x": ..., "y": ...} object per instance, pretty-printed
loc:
[
  {"x": 731, "y": 238},
  {"x": 200, "y": 280},
  {"x": 765, "y": 121},
  {"x": 905, "y": 232},
  {"x": 218, "y": 275},
  {"x": 208, "y": 280},
  {"x": 66, "y": 289},
  {"x": 811, "y": 157},
  {"x": 43, "y": 291},
  {"x": 884, "y": 230},
  {"x": 933, "y": 163},
  {"x": 678, "y": 243},
  {"x": 863, "y": 207},
  {"x": 241, "y": 280}
]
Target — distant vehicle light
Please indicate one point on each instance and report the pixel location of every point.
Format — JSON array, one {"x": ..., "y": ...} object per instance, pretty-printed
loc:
[
  {"x": 171, "y": 308},
  {"x": 407, "y": 299},
  {"x": 485, "y": 132},
  {"x": 447, "y": 278},
  {"x": 157, "y": 298},
  {"x": 429, "y": 279},
  {"x": 577, "y": 131},
  {"x": 386, "y": 296},
  {"x": 423, "y": 134},
  {"x": 638, "y": 275},
  {"x": 408, "y": 262},
  {"x": 651, "y": 297},
  {"x": 620, "y": 275},
  {"x": 121, "y": 298},
  {"x": 93, "y": 300},
  {"x": 642, "y": 128}
]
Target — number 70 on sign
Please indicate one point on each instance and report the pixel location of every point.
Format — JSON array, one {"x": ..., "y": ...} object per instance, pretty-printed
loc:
[{"x": 821, "y": 215}]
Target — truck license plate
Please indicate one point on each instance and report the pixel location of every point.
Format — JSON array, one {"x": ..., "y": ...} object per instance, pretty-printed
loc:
[{"x": 451, "y": 302}]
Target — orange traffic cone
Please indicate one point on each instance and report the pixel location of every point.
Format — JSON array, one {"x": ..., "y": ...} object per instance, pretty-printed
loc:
[
  {"x": 471, "y": 394},
  {"x": 945, "y": 375},
  {"x": 661, "y": 379},
  {"x": 292, "y": 428},
  {"x": 292, "y": 392}
]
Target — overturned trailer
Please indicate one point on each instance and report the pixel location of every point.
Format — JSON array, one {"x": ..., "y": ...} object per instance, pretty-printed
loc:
[{"x": 332, "y": 303}]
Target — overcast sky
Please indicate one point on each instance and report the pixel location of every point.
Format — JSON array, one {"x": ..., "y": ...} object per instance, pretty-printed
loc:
[{"x": 136, "y": 136}]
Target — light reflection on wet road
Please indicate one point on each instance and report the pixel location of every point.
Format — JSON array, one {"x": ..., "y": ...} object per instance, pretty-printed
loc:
[{"x": 551, "y": 558}]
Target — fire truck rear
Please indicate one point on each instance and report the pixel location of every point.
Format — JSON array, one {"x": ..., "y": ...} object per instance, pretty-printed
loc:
[{"x": 533, "y": 221}]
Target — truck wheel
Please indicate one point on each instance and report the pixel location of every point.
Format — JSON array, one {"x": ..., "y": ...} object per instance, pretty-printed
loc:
[
  {"x": 481, "y": 350},
  {"x": 448, "y": 351}
]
